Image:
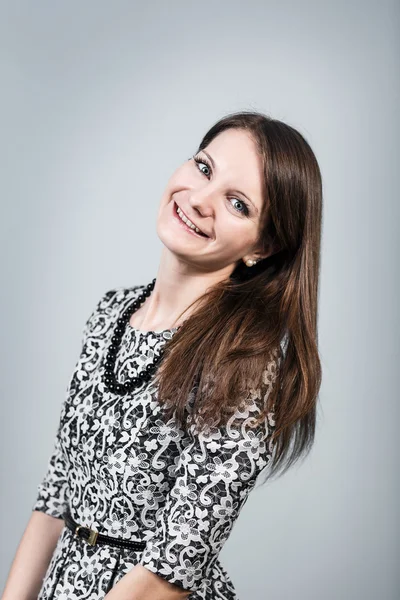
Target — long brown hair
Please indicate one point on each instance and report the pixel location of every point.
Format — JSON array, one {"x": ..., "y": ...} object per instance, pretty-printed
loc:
[{"x": 257, "y": 330}]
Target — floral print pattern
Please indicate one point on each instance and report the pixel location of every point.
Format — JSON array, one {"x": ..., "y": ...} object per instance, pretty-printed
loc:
[{"x": 126, "y": 472}]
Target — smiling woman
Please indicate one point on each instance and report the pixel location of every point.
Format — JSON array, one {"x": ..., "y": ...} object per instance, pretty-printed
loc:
[{"x": 191, "y": 386}]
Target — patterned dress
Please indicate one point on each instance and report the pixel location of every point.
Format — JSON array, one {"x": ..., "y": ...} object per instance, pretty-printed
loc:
[{"x": 125, "y": 471}]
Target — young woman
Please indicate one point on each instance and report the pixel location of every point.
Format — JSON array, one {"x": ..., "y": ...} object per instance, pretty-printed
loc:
[{"x": 188, "y": 387}]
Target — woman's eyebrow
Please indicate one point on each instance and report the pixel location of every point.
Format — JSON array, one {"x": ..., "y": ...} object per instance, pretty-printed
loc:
[{"x": 235, "y": 191}]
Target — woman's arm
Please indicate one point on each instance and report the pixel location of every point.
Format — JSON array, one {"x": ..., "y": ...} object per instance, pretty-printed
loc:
[
  {"x": 32, "y": 557},
  {"x": 142, "y": 584}
]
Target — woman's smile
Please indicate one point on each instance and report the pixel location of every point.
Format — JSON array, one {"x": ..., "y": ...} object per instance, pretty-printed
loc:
[{"x": 179, "y": 216}]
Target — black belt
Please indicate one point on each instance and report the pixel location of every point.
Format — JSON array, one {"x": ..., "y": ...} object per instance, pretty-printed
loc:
[{"x": 93, "y": 537}]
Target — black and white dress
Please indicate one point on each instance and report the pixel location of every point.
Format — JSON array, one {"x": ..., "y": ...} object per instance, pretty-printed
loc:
[{"x": 125, "y": 471}]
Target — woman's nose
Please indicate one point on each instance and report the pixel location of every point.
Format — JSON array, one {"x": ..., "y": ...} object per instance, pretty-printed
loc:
[{"x": 203, "y": 201}]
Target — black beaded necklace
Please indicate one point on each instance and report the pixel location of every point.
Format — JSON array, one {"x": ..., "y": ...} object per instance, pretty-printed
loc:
[{"x": 109, "y": 378}]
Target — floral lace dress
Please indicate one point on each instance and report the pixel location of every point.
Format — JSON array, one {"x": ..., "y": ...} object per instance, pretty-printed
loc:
[{"x": 126, "y": 472}]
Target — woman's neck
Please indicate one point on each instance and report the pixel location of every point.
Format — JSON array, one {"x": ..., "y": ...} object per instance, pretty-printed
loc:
[{"x": 176, "y": 287}]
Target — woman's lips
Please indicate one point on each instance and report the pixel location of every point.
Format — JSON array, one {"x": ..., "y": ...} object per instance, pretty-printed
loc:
[{"x": 186, "y": 227}]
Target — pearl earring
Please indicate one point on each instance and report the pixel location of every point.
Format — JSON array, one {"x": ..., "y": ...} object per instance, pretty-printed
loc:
[{"x": 250, "y": 263}]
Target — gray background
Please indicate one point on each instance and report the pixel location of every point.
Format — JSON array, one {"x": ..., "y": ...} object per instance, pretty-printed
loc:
[{"x": 100, "y": 102}]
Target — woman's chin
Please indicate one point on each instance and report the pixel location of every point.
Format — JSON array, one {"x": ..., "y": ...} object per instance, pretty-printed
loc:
[
  {"x": 175, "y": 243},
  {"x": 174, "y": 235}
]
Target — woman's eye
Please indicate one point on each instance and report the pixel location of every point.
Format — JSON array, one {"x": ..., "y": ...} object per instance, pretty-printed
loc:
[
  {"x": 206, "y": 168},
  {"x": 244, "y": 209},
  {"x": 202, "y": 162}
]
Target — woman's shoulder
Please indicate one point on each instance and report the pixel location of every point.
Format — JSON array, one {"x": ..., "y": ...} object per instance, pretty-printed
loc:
[
  {"x": 110, "y": 305},
  {"x": 117, "y": 295}
]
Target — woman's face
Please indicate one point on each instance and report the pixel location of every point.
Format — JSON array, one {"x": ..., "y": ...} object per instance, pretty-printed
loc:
[{"x": 221, "y": 195}]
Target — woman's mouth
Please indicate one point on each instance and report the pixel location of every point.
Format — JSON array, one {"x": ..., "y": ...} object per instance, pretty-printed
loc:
[{"x": 185, "y": 222}]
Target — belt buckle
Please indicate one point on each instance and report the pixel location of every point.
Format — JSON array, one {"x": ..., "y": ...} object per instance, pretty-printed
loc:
[
  {"x": 92, "y": 537},
  {"x": 91, "y": 540}
]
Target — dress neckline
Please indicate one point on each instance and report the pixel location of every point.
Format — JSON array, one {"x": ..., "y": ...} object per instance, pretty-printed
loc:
[{"x": 150, "y": 332}]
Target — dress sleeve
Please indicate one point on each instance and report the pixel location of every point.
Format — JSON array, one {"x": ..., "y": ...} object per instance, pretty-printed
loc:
[
  {"x": 53, "y": 491},
  {"x": 215, "y": 474}
]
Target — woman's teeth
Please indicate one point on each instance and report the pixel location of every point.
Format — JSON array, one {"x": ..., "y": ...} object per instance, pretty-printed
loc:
[{"x": 188, "y": 222}]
